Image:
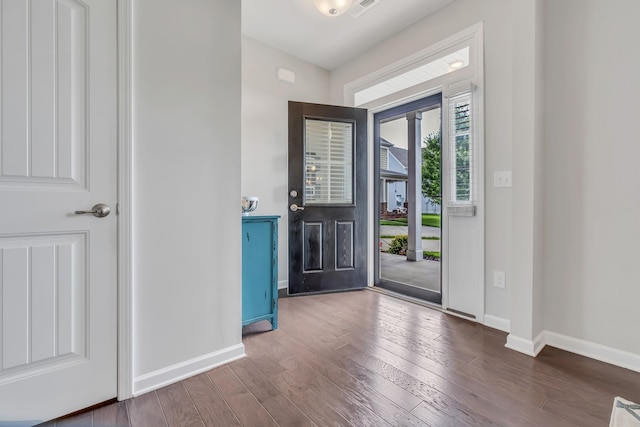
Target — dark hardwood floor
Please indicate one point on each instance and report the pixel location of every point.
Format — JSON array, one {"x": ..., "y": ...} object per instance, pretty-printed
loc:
[{"x": 367, "y": 359}]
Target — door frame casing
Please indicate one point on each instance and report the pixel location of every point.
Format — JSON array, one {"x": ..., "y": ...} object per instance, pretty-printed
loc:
[
  {"x": 473, "y": 36},
  {"x": 124, "y": 208}
]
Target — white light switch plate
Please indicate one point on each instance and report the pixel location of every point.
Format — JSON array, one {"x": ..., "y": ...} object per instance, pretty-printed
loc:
[{"x": 502, "y": 179}]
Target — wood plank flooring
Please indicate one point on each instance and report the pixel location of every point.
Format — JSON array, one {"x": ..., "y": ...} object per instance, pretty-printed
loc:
[{"x": 367, "y": 359}]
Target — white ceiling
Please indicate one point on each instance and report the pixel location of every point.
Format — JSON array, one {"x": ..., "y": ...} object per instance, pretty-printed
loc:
[{"x": 296, "y": 27}]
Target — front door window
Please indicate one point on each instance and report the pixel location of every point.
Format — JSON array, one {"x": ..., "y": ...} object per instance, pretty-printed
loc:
[{"x": 328, "y": 162}]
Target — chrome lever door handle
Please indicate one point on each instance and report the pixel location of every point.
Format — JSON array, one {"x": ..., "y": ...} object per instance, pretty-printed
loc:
[
  {"x": 295, "y": 207},
  {"x": 99, "y": 211}
]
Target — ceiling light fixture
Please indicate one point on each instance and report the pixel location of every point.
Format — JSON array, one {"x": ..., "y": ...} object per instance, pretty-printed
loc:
[
  {"x": 459, "y": 63},
  {"x": 333, "y": 7}
]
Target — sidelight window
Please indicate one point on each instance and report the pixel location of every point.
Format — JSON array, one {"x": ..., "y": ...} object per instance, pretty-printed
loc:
[{"x": 461, "y": 148}]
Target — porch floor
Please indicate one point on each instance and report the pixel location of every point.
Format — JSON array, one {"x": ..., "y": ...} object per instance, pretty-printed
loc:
[{"x": 423, "y": 274}]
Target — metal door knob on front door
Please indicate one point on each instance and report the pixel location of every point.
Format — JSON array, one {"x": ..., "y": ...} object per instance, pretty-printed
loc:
[{"x": 99, "y": 211}]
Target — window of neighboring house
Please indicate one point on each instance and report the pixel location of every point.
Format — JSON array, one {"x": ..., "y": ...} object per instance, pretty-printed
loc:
[{"x": 384, "y": 158}]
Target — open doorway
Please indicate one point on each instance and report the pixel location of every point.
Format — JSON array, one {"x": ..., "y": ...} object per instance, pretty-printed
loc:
[{"x": 408, "y": 198}]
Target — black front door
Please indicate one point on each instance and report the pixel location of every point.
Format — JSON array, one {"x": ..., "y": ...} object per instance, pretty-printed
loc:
[{"x": 327, "y": 198}]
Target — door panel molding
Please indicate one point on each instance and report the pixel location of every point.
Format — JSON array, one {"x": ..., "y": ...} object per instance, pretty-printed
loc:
[
  {"x": 312, "y": 251},
  {"x": 44, "y": 147},
  {"x": 42, "y": 275},
  {"x": 344, "y": 245}
]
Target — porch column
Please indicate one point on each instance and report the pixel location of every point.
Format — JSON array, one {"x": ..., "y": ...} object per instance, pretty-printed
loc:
[
  {"x": 383, "y": 197},
  {"x": 414, "y": 187}
]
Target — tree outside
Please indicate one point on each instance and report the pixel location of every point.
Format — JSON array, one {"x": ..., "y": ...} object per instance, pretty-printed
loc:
[
  {"x": 431, "y": 167},
  {"x": 462, "y": 135},
  {"x": 431, "y": 178},
  {"x": 463, "y": 172}
]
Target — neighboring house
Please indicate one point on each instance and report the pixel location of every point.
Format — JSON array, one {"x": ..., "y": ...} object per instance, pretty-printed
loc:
[{"x": 394, "y": 168}]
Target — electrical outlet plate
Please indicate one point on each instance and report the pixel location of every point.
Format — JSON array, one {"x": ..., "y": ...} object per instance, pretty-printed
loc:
[
  {"x": 502, "y": 179},
  {"x": 499, "y": 279}
]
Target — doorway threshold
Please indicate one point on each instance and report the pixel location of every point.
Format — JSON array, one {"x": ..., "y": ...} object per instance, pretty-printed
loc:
[{"x": 407, "y": 298}]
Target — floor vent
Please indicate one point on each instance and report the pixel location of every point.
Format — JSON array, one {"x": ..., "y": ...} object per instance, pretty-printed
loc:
[{"x": 362, "y": 6}]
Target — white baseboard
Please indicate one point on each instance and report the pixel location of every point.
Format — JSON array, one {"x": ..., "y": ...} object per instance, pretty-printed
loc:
[
  {"x": 496, "y": 322},
  {"x": 603, "y": 353},
  {"x": 283, "y": 284},
  {"x": 600, "y": 352},
  {"x": 172, "y": 374},
  {"x": 523, "y": 345}
]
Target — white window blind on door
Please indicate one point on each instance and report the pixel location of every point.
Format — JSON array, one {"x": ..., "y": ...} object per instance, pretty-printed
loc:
[
  {"x": 328, "y": 162},
  {"x": 461, "y": 150}
]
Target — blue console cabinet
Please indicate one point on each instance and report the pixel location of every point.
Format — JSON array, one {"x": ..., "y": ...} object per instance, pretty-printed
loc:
[{"x": 260, "y": 269}]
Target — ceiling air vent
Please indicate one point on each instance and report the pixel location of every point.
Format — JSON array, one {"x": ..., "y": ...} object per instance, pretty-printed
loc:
[{"x": 361, "y": 6}]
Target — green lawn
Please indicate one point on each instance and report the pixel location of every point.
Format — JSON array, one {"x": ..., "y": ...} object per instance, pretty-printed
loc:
[
  {"x": 431, "y": 220},
  {"x": 391, "y": 222},
  {"x": 432, "y": 254}
]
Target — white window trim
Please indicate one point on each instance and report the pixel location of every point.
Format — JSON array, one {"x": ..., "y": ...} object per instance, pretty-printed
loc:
[{"x": 471, "y": 36}]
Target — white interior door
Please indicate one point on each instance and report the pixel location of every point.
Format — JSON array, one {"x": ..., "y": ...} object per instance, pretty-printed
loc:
[{"x": 57, "y": 155}]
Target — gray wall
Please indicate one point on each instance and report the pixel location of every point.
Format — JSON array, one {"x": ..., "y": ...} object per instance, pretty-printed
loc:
[
  {"x": 592, "y": 202},
  {"x": 186, "y": 139},
  {"x": 265, "y": 128}
]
